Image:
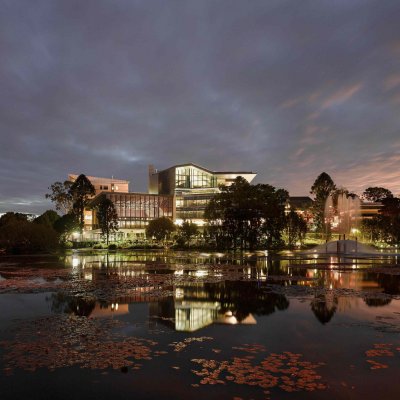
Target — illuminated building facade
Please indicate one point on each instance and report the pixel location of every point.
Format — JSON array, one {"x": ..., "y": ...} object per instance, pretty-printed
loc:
[
  {"x": 181, "y": 192},
  {"x": 100, "y": 185},
  {"x": 134, "y": 210},
  {"x": 105, "y": 184},
  {"x": 192, "y": 187}
]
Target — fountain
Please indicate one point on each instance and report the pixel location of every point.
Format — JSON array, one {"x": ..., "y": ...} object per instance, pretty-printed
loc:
[
  {"x": 342, "y": 213},
  {"x": 342, "y": 217}
]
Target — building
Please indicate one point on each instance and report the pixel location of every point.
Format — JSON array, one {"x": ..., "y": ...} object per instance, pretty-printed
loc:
[
  {"x": 105, "y": 184},
  {"x": 181, "y": 192},
  {"x": 192, "y": 187},
  {"x": 134, "y": 210},
  {"x": 100, "y": 185},
  {"x": 370, "y": 210},
  {"x": 303, "y": 206}
]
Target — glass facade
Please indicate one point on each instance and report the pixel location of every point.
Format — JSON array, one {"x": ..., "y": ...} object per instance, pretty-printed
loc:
[
  {"x": 189, "y": 177},
  {"x": 193, "y": 187},
  {"x": 135, "y": 210},
  {"x": 191, "y": 206}
]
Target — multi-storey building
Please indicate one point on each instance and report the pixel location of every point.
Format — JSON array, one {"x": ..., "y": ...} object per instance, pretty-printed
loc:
[
  {"x": 192, "y": 187},
  {"x": 180, "y": 193}
]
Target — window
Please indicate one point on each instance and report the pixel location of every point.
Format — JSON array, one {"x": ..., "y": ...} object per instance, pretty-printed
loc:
[{"x": 191, "y": 178}]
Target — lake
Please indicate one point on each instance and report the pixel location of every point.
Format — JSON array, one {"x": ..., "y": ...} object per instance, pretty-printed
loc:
[{"x": 163, "y": 324}]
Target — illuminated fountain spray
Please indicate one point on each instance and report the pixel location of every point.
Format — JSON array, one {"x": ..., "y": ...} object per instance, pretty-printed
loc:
[
  {"x": 342, "y": 216},
  {"x": 342, "y": 213}
]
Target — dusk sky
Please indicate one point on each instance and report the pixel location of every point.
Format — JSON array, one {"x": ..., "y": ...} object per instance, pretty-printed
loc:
[{"x": 287, "y": 89}]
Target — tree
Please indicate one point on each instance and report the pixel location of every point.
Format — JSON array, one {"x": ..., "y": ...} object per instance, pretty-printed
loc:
[
  {"x": 65, "y": 225},
  {"x": 12, "y": 217},
  {"x": 246, "y": 215},
  {"x": 322, "y": 188},
  {"x": 187, "y": 231},
  {"x": 371, "y": 229},
  {"x": 81, "y": 191},
  {"x": 375, "y": 194},
  {"x": 389, "y": 220},
  {"x": 160, "y": 228},
  {"x": 107, "y": 217},
  {"x": 386, "y": 225},
  {"x": 324, "y": 307},
  {"x": 295, "y": 228},
  {"x": 48, "y": 218},
  {"x": 19, "y": 235},
  {"x": 61, "y": 196}
]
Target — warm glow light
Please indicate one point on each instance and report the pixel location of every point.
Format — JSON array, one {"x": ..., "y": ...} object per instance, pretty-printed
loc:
[
  {"x": 230, "y": 318},
  {"x": 179, "y": 293},
  {"x": 178, "y": 272}
]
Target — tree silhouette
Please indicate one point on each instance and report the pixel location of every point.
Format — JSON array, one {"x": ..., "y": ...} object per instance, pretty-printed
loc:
[
  {"x": 321, "y": 189},
  {"x": 160, "y": 228},
  {"x": 107, "y": 217},
  {"x": 81, "y": 191}
]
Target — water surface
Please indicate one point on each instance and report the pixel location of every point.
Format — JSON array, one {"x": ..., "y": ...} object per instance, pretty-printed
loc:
[{"x": 173, "y": 325}]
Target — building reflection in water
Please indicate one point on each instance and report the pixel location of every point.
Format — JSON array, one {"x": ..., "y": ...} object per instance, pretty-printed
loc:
[{"x": 197, "y": 304}]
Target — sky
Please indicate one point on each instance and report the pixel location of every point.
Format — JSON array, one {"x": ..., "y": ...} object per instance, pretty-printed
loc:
[{"x": 287, "y": 89}]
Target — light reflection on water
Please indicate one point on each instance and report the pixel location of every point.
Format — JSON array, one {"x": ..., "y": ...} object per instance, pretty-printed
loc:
[
  {"x": 201, "y": 302},
  {"x": 300, "y": 303}
]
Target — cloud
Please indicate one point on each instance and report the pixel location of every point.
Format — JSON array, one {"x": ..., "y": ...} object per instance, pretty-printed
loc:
[
  {"x": 392, "y": 81},
  {"x": 341, "y": 95},
  {"x": 284, "y": 88}
]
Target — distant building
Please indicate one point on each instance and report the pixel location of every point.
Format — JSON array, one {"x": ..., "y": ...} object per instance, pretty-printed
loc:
[
  {"x": 303, "y": 206},
  {"x": 105, "y": 184},
  {"x": 300, "y": 202},
  {"x": 192, "y": 186},
  {"x": 370, "y": 209}
]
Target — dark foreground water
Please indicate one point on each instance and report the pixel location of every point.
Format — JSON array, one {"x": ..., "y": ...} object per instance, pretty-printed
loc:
[{"x": 191, "y": 325}]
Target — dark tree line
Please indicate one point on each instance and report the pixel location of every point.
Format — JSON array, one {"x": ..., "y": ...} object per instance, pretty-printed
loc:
[
  {"x": 386, "y": 225},
  {"x": 20, "y": 234}
]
